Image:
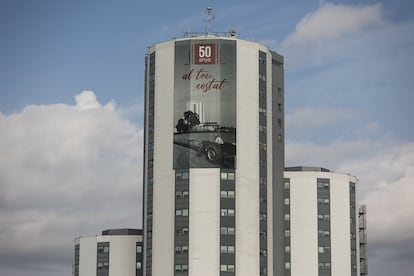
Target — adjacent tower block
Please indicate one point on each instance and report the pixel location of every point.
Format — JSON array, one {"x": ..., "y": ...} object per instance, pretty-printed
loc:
[{"x": 213, "y": 158}]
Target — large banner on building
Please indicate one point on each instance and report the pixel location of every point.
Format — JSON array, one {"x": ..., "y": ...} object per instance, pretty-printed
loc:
[{"x": 205, "y": 104}]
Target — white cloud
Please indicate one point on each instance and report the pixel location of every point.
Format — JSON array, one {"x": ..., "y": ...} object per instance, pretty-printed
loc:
[
  {"x": 331, "y": 21},
  {"x": 65, "y": 170}
]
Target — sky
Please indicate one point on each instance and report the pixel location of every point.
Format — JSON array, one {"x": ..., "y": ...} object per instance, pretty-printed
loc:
[{"x": 71, "y": 110}]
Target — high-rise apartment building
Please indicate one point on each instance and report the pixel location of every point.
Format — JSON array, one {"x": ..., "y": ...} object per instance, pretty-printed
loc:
[
  {"x": 324, "y": 228},
  {"x": 213, "y": 158}
]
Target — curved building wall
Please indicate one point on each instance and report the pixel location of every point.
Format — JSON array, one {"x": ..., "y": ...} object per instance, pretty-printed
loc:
[
  {"x": 108, "y": 255},
  {"x": 323, "y": 230}
]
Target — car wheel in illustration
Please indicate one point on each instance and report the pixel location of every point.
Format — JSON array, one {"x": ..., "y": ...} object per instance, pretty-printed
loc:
[{"x": 213, "y": 154}]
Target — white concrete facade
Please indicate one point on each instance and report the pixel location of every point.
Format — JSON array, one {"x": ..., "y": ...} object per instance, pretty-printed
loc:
[
  {"x": 304, "y": 199},
  {"x": 204, "y": 183}
]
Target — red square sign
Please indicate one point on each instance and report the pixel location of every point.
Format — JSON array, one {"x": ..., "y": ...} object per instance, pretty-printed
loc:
[{"x": 205, "y": 53}]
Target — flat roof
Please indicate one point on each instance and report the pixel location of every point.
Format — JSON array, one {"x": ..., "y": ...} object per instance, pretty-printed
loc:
[
  {"x": 306, "y": 169},
  {"x": 122, "y": 231}
]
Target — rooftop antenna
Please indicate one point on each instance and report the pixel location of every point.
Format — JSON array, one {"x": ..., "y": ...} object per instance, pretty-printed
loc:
[{"x": 210, "y": 17}]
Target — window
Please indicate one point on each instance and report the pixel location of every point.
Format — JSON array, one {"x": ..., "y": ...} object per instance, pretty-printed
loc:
[
  {"x": 139, "y": 265},
  {"x": 227, "y": 249},
  {"x": 287, "y": 249},
  {"x": 287, "y": 265},
  {"x": 287, "y": 233},
  {"x": 180, "y": 176},
  {"x": 323, "y": 200},
  {"x": 181, "y": 267},
  {"x": 323, "y": 185},
  {"x": 139, "y": 249},
  {"x": 181, "y": 194},
  {"x": 227, "y": 194},
  {"x": 323, "y": 249},
  {"x": 263, "y": 216},
  {"x": 181, "y": 249},
  {"x": 287, "y": 201},
  {"x": 323, "y": 233},
  {"x": 181, "y": 231},
  {"x": 324, "y": 265},
  {"x": 227, "y": 212},
  {"x": 262, "y": 59},
  {"x": 287, "y": 185},
  {"x": 287, "y": 217},
  {"x": 181, "y": 212},
  {"x": 227, "y": 176},
  {"x": 227, "y": 230},
  {"x": 223, "y": 268},
  {"x": 262, "y": 110}
]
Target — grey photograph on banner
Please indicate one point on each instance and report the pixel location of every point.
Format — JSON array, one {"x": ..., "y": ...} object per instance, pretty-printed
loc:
[{"x": 205, "y": 104}]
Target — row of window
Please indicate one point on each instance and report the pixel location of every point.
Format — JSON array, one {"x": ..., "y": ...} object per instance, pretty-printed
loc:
[
  {"x": 227, "y": 268},
  {"x": 103, "y": 265},
  {"x": 323, "y": 185},
  {"x": 181, "y": 175},
  {"x": 325, "y": 266},
  {"x": 223, "y": 194},
  {"x": 325, "y": 217},
  {"x": 324, "y": 249},
  {"x": 227, "y": 249},
  {"x": 227, "y": 194},
  {"x": 323, "y": 233},
  {"x": 227, "y": 212},
  {"x": 227, "y": 230},
  {"x": 323, "y": 200},
  {"x": 181, "y": 194},
  {"x": 181, "y": 267},
  {"x": 181, "y": 212},
  {"x": 181, "y": 249},
  {"x": 181, "y": 231},
  {"x": 103, "y": 249}
]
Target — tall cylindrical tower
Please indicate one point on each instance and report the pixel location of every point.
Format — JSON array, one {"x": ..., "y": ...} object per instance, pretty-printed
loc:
[{"x": 213, "y": 158}]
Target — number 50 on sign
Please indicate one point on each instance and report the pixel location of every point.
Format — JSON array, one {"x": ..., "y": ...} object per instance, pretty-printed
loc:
[{"x": 205, "y": 53}]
